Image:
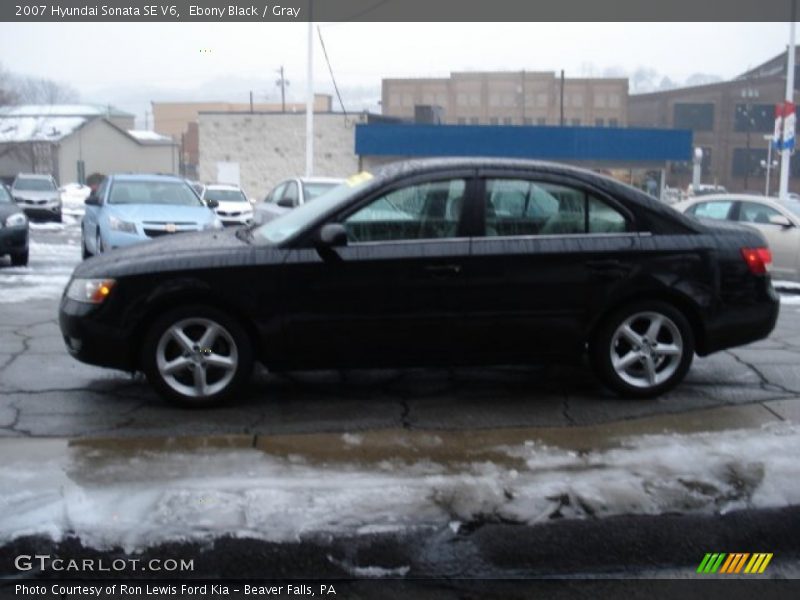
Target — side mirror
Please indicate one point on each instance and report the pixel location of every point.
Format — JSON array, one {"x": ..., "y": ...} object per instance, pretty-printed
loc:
[
  {"x": 332, "y": 235},
  {"x": 286, "y": 202},
  {"x": 92, "y": 200},
  {"x": 781, "y": 220},
  {"x": 211, "y": 203}
]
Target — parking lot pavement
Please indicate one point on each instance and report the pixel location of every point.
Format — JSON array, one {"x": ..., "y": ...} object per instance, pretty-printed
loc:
[{"x": 45, "y": 392}]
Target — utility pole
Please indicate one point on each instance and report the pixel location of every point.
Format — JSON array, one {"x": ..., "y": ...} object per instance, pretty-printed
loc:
[
  {"x": 786, "y": 153},
  {"x": 282, "y": 83},
  {"x": 310, "y": 94}
]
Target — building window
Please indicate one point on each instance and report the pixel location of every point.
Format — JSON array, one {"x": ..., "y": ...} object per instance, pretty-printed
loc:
[
  {"x": 748, "y": 162},
  {"x": 541, "y": 121},
  {"x": 613, "y": 123},
  {"x": 507, "y": 120},
  {"x": 599, "y": 122},
  {"x": 575, "y": 122},
  {"x": 462, "y": 120},
  {"x": 494, "y": 121},
  {"x": 685, "y": 167},
  {"x": 694, "y": 116},
  {"x": 758, "y": 118},
  {"x": 474, "y": 121},
  {"x": 527, "y": 121}
]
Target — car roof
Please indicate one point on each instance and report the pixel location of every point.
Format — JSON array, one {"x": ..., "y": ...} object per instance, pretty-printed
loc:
[
  {"x": 223, "y": 186},
  {"x": 33, "y": 176},
  {"x": 146, "y": 177},
  {"x": 321, "y": 179},
  {"x": 728, "y": 197}
]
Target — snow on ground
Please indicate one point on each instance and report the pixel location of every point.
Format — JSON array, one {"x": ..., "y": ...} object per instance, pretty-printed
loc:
[
  {"x": 138, "y": 499},
  {"x": 786, "y": 285},
  {"x": 47, "y": 272},
  {"x": 73, "y": 197}
]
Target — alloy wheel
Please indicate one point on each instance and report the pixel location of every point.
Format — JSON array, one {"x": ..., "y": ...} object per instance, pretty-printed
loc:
[{"x": 646, "y": 349}]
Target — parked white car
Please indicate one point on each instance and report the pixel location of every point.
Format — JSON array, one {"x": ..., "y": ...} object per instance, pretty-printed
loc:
[
  {"x": 233, "y": 207},
  {"x": 291, "y": 193},
  {"x": 778, "y": 220}
]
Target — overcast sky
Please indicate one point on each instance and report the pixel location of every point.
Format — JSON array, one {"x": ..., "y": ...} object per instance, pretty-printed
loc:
[{"x": 129, "y": 64}]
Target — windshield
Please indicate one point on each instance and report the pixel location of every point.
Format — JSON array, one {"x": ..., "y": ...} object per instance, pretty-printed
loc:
[
  {"x": 34, "y": 185},
  {"x": 225, "y": 195},
  {"x": 285, "y": 226},
  {"x": 153, "y": 192},
  {"x": 312, "y": 190},
  {"x": 4, "y": 195},
  {"x": 793, "y": 205}
]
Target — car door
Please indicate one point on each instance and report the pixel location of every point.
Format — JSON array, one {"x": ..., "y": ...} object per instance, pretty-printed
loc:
[
  {"x": 391, "y": 295},
  {"x": 784, "y": 242},
  {"x": 552, "y": 253}
]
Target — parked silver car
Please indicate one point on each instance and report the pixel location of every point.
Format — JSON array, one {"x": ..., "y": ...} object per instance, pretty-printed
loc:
[
  {"x": 778, "y": 220},
  {"x": 37, "y": 195}
]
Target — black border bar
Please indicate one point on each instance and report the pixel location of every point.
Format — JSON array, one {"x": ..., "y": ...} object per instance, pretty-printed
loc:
[{"x": 397, "y": 11}]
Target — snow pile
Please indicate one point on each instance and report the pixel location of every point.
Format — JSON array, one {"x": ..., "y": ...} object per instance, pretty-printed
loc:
[
  {"x": 136, "y": 500},
  {"x": 73, "y": 198},
  {"x": 45, "y": 276}
]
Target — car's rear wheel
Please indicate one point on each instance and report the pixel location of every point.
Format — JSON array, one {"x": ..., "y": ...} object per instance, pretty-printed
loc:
[
  {"x": 98, "y": 243},
  {"x": 197, "y": 356},
  {"x": 643, "y": 349},
  {"x": 84, "y": 250},
  {"x": 19, "y": 259}
]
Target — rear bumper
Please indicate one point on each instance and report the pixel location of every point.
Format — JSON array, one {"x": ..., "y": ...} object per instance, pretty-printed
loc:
[{"x": 741, "y": 324}]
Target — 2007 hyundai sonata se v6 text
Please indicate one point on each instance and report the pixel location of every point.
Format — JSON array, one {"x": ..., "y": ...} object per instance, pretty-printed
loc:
[{"x": 426, "y": 263}]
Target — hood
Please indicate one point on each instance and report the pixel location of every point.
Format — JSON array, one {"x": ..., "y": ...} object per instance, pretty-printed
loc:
[
  {"x": 161, "y": 213},
  {"x": 36, "y": 195},
  {"x": 178, "y": 252}
]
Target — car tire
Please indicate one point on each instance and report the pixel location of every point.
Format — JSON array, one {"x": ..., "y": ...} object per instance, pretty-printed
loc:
[
  {"x": 57, "y": 217},
  {"x": 19, "y": 259},
  {"x": 84, "y": 250},
  {"x": 190, "y": 372},
  {"x": 643, "y": 349},
  {"x": 98, "y": 244}
]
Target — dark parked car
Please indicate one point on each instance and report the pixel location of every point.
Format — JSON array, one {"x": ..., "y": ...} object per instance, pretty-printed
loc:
[
  {"x": 13, "y": 229},
  {"x": 432, "y": 262}
]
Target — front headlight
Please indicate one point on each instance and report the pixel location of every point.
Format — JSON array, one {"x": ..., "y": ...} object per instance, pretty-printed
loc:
[
  {"x": 120, "y": 225},
  {"x": 91, "y": 291},
  {"x": 215, "y": 224},
  {"x": 16, "y": 220}
]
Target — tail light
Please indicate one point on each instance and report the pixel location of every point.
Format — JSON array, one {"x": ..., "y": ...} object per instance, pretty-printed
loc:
[{"x": 757, "y": 259}]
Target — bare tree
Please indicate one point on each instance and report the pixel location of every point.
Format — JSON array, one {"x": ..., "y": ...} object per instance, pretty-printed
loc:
[{"x": 7, "y": 92}]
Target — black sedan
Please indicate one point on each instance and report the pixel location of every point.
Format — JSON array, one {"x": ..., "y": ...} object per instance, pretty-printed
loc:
[
  {"x": 430, "y": 262},
  {"x": 13, "y": 229}
]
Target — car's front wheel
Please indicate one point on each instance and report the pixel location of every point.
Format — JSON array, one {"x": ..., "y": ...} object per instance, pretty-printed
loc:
[
  {"x": 19, "y": 259},
  {"x": 643, "y": 349},
  {"x": 197, "y": 356}
]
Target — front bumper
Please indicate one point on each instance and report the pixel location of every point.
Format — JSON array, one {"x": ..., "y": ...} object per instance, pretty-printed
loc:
[
  {"x": 34, "y": 210},
  {"x": 13, "y": 239},
  {"x": 92, "y": 341},
  {"x": 241, "y": 219}
]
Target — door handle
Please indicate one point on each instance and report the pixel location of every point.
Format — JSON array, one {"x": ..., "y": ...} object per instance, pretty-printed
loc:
[{"x": 443, "y": 269}]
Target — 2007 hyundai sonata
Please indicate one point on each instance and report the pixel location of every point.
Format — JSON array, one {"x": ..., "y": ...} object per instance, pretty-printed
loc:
[{"x": 425, "y": 263}]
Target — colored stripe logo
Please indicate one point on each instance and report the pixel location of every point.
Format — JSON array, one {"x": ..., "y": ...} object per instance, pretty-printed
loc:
[{"x": 734, "y": 563}]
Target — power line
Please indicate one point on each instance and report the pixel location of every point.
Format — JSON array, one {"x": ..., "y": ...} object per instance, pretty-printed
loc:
[{"x": 330, "y": 69}]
